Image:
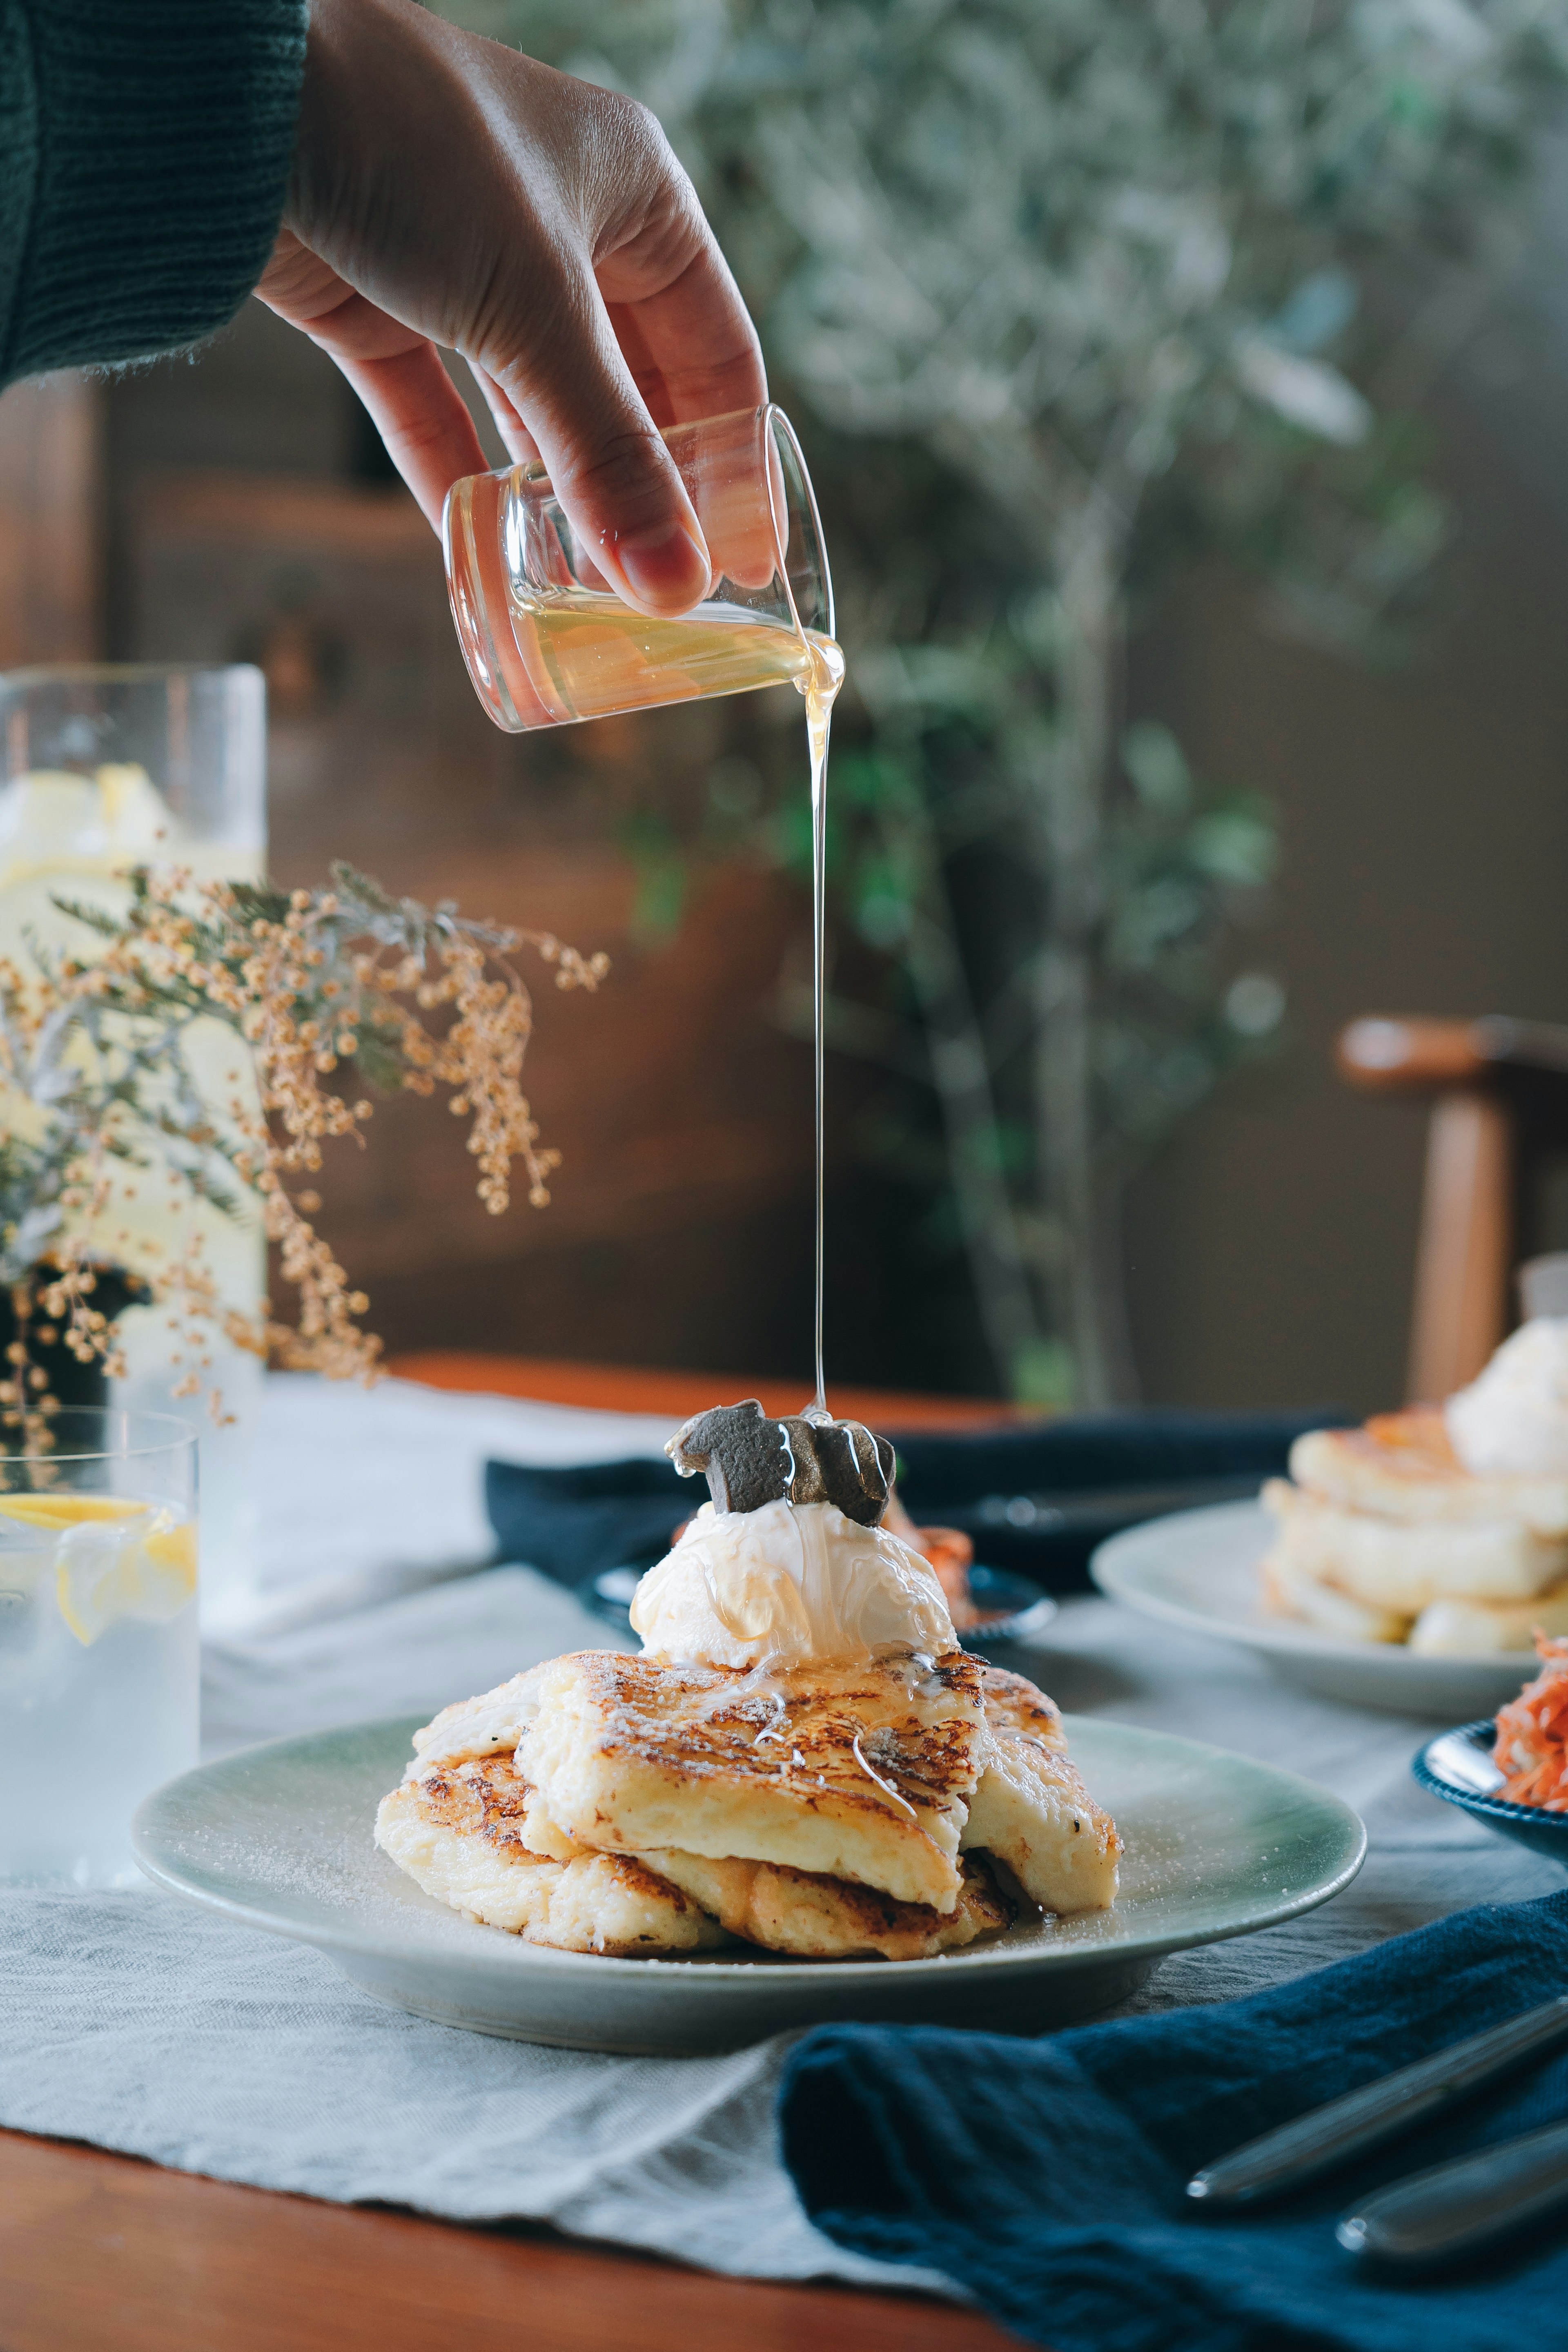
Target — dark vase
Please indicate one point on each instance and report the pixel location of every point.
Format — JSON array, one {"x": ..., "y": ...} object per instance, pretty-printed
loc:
[{"x": 69, "y": 1381}]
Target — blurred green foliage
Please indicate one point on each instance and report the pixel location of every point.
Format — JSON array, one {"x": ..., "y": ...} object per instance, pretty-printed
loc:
[{"x": 1074, "y": 298}]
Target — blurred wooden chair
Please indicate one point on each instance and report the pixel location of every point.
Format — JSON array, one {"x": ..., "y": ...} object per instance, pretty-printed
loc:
[{"x": 1498, "y": 1090}]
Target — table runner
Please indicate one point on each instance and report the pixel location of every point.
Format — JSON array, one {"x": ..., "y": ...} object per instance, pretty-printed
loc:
[{"x": 140, "y": 2023}]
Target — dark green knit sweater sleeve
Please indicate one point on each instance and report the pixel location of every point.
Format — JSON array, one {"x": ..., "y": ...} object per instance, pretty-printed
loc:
[{"x": 144, "y": 155}]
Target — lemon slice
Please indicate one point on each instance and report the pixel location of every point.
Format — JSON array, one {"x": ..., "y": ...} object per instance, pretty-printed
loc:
[
  {"x": 95, "y": 1586},
  {"x": 68, "y": 1510},
  {"x": 101, "y": 1578},
  {"x": 173, "y": 1550}
]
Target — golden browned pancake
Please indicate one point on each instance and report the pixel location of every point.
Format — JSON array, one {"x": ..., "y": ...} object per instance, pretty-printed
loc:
[
  {"x": 822, "y": 1918},
  {"x": 490, "y": 1725},
  {"x": 1461, "y": 1628},
  {"x": 458, "y": 1830},
  {"x": 885, "y": 1768},
  {"x": 1014, "y": 1704},
  {"x": 1395, "y": 1567},
  {"x": 1031, "y": 1811},
  {"x": 859, "y": 1772},
  {"x": 1295, "y": 1586},
  {"x": 1401, "y": 1465}
]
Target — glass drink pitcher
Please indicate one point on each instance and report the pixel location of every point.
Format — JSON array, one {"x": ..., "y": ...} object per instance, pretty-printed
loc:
[
  {"x": 548, "y": 640},
  {"x": 103, "y": 768}
]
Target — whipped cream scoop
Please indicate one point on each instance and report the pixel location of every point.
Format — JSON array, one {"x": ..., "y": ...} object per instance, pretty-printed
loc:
[
  {"x": 1512, "y": 1419},
  {"x": 788, "y": 1585}
]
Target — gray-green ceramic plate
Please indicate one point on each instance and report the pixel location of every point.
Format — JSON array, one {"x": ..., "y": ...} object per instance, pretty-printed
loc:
[{"x": 280, "y": 1837}]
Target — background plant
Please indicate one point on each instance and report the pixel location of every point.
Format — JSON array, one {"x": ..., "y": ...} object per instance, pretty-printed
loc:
[{"x": 1083, "y": 294}]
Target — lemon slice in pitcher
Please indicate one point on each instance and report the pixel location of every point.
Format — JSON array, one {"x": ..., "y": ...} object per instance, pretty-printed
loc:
[{"x": 62, "y": 1511}]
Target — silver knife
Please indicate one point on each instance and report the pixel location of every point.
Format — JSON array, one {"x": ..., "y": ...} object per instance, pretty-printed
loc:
[
  {"x": 1456, "y": 2209},
  {"x": 1314, "y": 2143}
]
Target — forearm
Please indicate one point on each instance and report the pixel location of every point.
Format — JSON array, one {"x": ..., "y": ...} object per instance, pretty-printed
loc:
[{"x": 145, "y": 148}]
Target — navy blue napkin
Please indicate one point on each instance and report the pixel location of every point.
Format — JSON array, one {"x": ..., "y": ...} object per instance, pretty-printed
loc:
[
  {"x": 1037, "y": 1497},
  {"x": 571, "y": 1524},
  {"x": 1048, "y": 2175}
]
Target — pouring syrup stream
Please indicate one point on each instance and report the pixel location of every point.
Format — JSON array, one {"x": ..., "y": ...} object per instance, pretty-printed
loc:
[{"x": 819, "y": 686}]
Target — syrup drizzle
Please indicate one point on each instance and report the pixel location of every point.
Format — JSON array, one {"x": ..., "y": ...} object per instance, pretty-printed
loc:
[
  {"x": 885, "y": 1786},
  {"x": 820, "y": 687},
  {"x": 790, "y": 1458}
]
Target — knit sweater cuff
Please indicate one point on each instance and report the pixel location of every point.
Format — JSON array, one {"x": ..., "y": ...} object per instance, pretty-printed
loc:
[{"x": 144, "y": 156}]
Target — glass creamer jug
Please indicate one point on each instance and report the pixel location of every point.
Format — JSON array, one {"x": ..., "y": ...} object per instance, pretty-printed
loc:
[{"x": 546, "y": 637}]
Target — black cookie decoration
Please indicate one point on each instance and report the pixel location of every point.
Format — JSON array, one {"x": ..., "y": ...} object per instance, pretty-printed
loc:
[
  {"x": 740, "y": 1451},
  {"x": 750, "y": 1461},
  {"x": 840, "y": 1462}
]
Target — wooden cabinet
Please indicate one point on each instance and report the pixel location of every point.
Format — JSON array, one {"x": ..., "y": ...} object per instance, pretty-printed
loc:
[{"x": 50, "y": 522}]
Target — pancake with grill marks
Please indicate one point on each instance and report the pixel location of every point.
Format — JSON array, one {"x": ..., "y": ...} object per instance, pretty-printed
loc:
[
  {"x": 461, "y": 1833},
  {"x": 861, "y": 1772},
  {"x": 490, "y": 1725},
  {"x": 819, "y": 1918},
  {"x": 1031, "y": 1811}
]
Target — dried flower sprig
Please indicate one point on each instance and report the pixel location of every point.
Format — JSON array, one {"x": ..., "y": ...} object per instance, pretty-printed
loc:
[{"x": 96, "y": 1079}]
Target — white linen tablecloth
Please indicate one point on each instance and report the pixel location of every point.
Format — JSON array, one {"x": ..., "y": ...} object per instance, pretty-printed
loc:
[{"x": 142, "y": 2024}]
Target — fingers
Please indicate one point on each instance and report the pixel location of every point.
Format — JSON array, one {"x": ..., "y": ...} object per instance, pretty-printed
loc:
[
  {"x": 480, "y": 201},
  {"x": 607, "y": 465},
  {"x": 657, "y": 337},
  {"x": 517, "y": 440},
  {"x": 422, "y": 418},
  {"x": 398, "y": 373},
  {"x": 691, "y": 346},
  {"x": 694, "y": 353},
  {"x": 724, "y": 483}
]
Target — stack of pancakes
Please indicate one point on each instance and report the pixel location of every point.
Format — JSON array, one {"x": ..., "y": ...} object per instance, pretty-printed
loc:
[
  {"x": 1384, "y": 1536},
  {"x": 898, "y": 1806}
]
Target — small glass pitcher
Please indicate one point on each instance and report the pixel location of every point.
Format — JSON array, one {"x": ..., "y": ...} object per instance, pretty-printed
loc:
[
  {"x": 546, "y": 637},
  {"x": 100, "y": 1675}
]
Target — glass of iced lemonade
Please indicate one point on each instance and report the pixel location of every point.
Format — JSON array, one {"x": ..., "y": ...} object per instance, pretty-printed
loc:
[{"x": 99, "y": 1676}]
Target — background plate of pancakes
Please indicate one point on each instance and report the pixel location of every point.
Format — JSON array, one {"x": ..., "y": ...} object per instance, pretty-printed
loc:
[
  {"x": 280, "y": 1838},
  {"x": 1200, "y": 1571}
]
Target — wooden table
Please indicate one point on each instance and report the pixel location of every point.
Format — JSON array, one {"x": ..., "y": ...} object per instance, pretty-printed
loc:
[{"x": 103, "y": 2253}]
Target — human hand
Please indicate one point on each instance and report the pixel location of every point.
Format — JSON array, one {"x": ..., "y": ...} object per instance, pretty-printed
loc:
[{"x": 447, "y": 190}]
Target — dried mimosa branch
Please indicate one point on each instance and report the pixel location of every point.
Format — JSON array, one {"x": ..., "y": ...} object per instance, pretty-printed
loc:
[{"x": 95, "y": 1080}]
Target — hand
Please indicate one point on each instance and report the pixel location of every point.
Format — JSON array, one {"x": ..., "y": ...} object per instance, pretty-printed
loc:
[{"x": 447, "y": 190}]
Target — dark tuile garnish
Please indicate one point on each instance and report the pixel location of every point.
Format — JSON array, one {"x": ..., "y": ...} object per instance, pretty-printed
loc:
[{"x": 750, "y": 1461}]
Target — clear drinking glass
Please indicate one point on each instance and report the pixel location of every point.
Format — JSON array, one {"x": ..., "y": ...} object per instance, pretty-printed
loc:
[
  {"x": 102, "y": 768},
  {"x": 546, "y": 637},
  {"x": 100, "y": 1674}
]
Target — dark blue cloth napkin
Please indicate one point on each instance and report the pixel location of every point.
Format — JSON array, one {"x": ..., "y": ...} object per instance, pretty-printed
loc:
[
  {"x": 1048, "y": 2176},
  {"x": 1037, "y": 1497},
  {"x": 571, "y": 1524}
]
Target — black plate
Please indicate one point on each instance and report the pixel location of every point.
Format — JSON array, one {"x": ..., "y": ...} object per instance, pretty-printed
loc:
[
  {"x": 1456, "y": 1766},
  {"x": 1016, "y": 1608}
]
